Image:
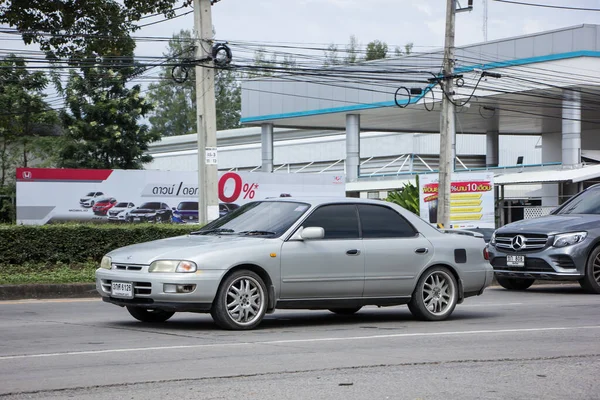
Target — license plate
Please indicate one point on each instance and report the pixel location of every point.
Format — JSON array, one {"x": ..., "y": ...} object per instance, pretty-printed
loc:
[
  {"x": 137, "y": 219},
  {"x": 122, "y": 289},
  {"x": 515, "y": 261}
]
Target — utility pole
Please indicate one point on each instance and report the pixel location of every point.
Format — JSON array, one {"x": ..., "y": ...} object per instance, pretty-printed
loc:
[
  {"x": 208, "y": 200},
  {"x": 448, "y": 128}
]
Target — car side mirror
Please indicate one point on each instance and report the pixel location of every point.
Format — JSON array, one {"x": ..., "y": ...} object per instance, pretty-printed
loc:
[{"x": 312, "y": 233}]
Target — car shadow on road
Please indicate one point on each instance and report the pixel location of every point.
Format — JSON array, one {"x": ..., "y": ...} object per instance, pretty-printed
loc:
[
  {"x": 394, "y": 318},
  {"x": 549, "y": 288}
]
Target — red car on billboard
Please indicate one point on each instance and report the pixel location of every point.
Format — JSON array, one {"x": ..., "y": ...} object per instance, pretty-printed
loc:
[{"x": 103, "y": 205}]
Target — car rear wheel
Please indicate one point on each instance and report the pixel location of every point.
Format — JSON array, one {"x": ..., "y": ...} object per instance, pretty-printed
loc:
[
  {"x": 149, "y": 315},
  {"x": 591, "y": 282},
  {"x": 435, "y": 296},
  {"x": 514, "y": 283},
  {"x": 241, "y": 301},
  {"x": 345, "y": 311}
]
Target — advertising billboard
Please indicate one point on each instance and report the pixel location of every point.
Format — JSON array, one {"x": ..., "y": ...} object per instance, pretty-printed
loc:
[
  {"x": 471, "y": 199},
  {"x": 52, "y": 195}
]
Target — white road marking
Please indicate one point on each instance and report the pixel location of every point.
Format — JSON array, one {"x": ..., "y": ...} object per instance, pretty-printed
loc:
[
  {"x": 296, "y": 341},
  {"x": 38, "y": 301}
]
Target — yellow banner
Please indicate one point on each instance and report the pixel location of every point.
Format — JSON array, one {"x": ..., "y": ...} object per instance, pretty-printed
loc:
[
  {"x": 462, "y": 196},
  {"x": 466, "y": 217},
  {"x": 468, "y": 210},
  {"x": 465, "y": 203}
]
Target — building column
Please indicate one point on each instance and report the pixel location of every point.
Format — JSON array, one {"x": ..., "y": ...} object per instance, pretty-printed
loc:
[
  {"x": 352, "y": 147},
  {"x": 492, "y": 142},
  {"x": 571, "y": 129},
  {"x": 266, "y": 138}
]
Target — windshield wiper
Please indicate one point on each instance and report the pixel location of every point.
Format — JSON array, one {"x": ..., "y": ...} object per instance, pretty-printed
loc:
[
  {"x": 216, "y": 230},
  {"x": 257, "y": 233}
]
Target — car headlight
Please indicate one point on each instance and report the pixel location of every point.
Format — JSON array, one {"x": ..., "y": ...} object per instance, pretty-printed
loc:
[
  {"x": 568, "y": 239},
  {"x": 167, "y": 266},
  {"x": 106, "y": 262},
  {"x": 493, "y": 239}
]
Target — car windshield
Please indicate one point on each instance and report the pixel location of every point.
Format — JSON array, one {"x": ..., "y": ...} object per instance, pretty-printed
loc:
[
  {"x": 90, "y": 194},
  {"x": 152, "y": 206},
  {"x": 188, "y": 206},
  {"x": 261, "y": 218},
  {"x": 121, "y": 205},
  {"x": 587, "y": 202}
]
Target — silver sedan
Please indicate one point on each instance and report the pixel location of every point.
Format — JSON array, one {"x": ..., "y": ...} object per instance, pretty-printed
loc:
[{"x": 336, "y": 254}]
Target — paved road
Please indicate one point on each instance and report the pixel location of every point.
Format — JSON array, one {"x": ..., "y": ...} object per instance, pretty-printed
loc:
[{"x": 543, "y": 343}]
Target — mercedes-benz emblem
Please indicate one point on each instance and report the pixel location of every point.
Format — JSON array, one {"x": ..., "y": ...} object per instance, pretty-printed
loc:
[{"x": 518, "y": 243}]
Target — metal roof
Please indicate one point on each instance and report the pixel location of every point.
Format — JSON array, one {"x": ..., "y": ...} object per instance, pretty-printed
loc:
[{"x": 550, "y": 176}]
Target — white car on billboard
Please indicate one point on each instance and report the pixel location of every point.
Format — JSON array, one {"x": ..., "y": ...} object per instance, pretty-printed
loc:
[
  {"x": 90, "y": 199},
  {"x": 120, "y": 211}
]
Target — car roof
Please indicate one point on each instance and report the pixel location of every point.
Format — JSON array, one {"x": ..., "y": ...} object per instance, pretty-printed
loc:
[{"x": 315, "y": 201}]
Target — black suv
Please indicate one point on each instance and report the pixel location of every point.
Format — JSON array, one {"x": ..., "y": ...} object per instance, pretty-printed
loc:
[{"x": 564, "y": 245}]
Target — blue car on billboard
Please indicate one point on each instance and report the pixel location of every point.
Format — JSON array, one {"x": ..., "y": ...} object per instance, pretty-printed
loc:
[{"x": 186, "y": 212}]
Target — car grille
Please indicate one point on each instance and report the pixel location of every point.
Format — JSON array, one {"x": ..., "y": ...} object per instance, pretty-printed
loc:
[
  {"x": 139, "y": 288},
  {"x": 123, "y": 267},
  {"x": 531, "y": 242},
  {"x": 531, "y": 265}
]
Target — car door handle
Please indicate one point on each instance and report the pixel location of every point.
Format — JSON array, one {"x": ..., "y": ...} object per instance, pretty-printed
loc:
[
  {"x": 353, "y": 252},
  {"x": 422, "y": 250}
]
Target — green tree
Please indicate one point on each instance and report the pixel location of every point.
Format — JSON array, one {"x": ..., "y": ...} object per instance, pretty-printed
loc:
[
  {"x": 376, "y": 50},
  {"x": 175, "y": 103},
  {"x": 331, "y": 56},
  {"x": 74, "y": 29},
  {"x": 352, "y": 51},
  {"x": 26, "y": 118},
  {"x": 102, "y": 128}
]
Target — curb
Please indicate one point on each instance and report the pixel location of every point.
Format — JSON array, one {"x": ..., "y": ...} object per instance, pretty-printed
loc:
[{"x": 48, "y": 291}]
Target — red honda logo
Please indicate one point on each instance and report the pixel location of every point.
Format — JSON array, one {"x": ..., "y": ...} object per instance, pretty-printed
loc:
[{"x": 26, "y": 174}]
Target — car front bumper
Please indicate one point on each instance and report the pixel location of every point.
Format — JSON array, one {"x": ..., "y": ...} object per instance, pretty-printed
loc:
[
  {"x": 551, "y": 263},
  {"x": 151, "y": 290}
]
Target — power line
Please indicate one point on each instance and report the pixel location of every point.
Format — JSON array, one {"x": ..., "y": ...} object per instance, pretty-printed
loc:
[{"x": 548, "y": 6}]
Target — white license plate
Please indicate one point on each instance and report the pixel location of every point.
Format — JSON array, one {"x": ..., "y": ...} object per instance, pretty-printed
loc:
[
  {"x": 122, "y": 289},
  {"x": 136, "y": 219},
  {"x": 515, "y": 261}
]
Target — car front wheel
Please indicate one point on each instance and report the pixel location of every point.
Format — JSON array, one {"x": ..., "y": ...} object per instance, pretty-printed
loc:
[
  {"x": 149, "y": 315},
  {"x": 241, "y": 301},
  {"x": 591, "y": 282},
  {"x": 435, "y": 296},
  {"x": 514, "y": 284}
]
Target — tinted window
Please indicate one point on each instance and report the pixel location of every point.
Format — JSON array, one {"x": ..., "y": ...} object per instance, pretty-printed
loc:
[
  {"x": 340, "y": 221},
  {"x": 188, "y": 206},
  {"x": 587, "y": 202},
  {"x": 90, "y": 194},
  {"x": 121, "y": 205},
  {"x": 383, "y": 222},
  {"x": 152, "y": 206}
]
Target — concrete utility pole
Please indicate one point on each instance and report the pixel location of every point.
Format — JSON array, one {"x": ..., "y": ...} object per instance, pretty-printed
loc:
[
  {"x": 206, "y": 118},
  {"x": 448, "y": 128}
]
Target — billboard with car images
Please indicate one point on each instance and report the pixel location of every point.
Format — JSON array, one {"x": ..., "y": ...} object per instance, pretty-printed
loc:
[
  {"x": 46, "y": 195},
  {"x": 471, "y": 199}
]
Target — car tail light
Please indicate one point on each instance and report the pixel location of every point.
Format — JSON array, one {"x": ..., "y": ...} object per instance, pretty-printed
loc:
[{"x": 486, "y": 253}]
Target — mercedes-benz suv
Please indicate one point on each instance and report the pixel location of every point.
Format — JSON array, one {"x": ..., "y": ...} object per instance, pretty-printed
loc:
[{"x": 564, "y": 245}]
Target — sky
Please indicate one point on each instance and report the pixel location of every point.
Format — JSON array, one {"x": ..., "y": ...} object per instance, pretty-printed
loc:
[{"x": 395, "y": 22}]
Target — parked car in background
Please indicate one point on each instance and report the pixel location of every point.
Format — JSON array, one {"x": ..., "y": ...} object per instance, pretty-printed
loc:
[
  {"x": 150, "y": 212},
  {"x": 564, "y": 245},
  {"x": 226, "y": 208},
  {"x": 338, "y": 254},
  {"x": 103, "y": 205},
  {"x": 90, "y": 199},
  {"x": 186, "y": 212},
  {"x": 120, "y": 211}
]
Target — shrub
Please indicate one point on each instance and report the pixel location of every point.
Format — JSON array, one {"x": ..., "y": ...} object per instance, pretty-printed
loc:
[{"x": 76, "y": 243}]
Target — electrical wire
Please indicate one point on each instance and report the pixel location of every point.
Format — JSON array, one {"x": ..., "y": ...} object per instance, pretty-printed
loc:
[{"x": 547, "y": 5}]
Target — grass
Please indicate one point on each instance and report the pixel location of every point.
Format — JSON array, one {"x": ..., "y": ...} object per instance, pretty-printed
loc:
[{"x": 44, "y": 273}]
